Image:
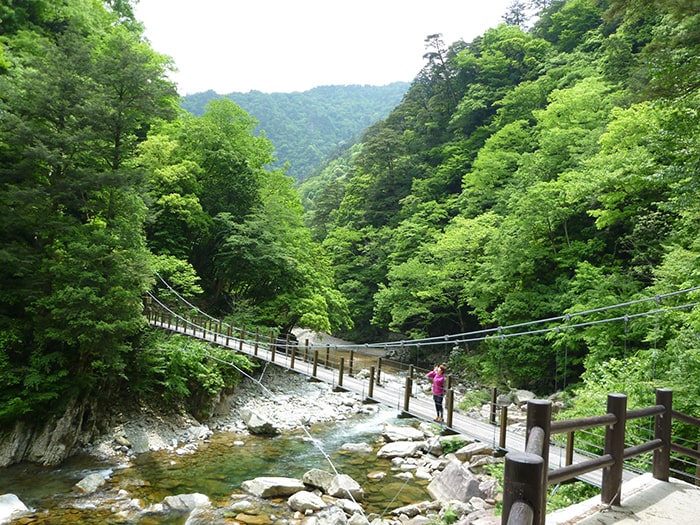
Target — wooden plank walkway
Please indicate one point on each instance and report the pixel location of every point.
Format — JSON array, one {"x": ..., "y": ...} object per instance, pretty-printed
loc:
[{"x": 389, "y": 392}]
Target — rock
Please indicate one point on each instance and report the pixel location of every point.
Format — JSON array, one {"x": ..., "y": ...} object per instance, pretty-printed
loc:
[
  {"x": 9, "y": 505},
  {"x": 357, "y": 447},
  {"x": 253, "y": 519},
  {"x": 140, "y": 441},
  {"x": 521, "y": 397},
  {"x": 416, "y": 509},
  {"x": 304, "y": 500},
  {"x": 256, "y": 424},
  {"x": 272, "y": 486},
  {"x": 320, "y": 479},
  {"x": 434, "y": 446},
  {"x": 91, "y": 483},
  {"x": 468, "y": 451},
  {"x": 456, "y": 482},
  {"x": 348, "y": 506},
  {"x": 401, "y": 449},
  {"x": 243, "y": 505},
  {"x": 329, "y": 516},
  {"x": 358, "y": 519},
  {"x": 402, "y": 433},
  {"x": 344, "y": 486},
  {"x": 186, "y": 502}
]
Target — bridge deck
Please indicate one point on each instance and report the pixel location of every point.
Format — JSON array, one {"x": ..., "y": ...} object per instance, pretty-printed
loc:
[
  {"x": 389, "y": 393},
  {"x": 644, "y": 501}
]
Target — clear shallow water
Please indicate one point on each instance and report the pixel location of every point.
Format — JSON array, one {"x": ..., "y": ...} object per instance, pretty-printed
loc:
[{"x": 217, "y": 469}]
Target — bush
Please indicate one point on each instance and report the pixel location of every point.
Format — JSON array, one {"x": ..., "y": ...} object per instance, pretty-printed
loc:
[
  {"x": 452, "y": 445},
  {"x": 185, "y": 372}
]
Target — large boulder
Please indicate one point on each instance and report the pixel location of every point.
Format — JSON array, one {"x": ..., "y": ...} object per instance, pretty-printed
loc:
[
  {"x": 272, "y": 486},
  {"x": 402, "y": 433},
  {"x": 455, "y": 482},
  {"x": 257, "y": 424},
  {"x": 9, "y": 505},
  {"x": 329, "y": 516},
  {"x": 304, "y": 500},
  {"x": 91, "y": 483},
  {"x": 478, "y": 448},
  {"x": 401, "y": 449},
  {"x": 318, "y": 478},
  {"x": 343, "y": 486},
  {"x": 186, "y": 502}
]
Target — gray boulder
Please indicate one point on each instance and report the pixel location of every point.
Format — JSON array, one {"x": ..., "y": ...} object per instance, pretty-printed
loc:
[
  {"x": 9, "y": 505},
  {"x": 91, "y": 483},
  {"x": 473, "y": 449},
  {"x": 329, "y": 516},
  {"x": 186, "y": 502},
  {"x": 272, "y": 486},
  {"x": 343, "y": 486},
  {"x": 455, "y": 482},
  {"x": 304, "y": 500},
  {"x": 256, "y": 424},
  {"x": 318, "y": 478},
  {"x": 401, "y": 449},
  {"x": 402, "y": 433}
]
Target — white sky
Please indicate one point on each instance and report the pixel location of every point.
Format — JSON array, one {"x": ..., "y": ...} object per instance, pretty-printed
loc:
[{"x": 295, "y": 45}]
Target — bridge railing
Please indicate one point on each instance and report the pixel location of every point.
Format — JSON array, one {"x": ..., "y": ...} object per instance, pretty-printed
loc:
[
  {"x": 347, "y": 361},
  {"x": 527, "y": 475}
]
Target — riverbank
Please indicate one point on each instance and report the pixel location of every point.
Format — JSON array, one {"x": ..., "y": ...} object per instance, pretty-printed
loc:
[
  {"x": 294, "y": 406},
  {"x": 285, "y": 399}
]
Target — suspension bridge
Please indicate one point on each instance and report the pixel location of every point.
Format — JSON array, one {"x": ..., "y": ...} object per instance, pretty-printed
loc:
[{"x": 365, "y": 370}]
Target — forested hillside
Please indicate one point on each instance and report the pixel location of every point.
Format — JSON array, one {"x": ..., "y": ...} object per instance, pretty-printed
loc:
[
  {"x": 105, "y": 188},
  {"x": 307, "y": 127},
  {"x": 533, "y": 174}
]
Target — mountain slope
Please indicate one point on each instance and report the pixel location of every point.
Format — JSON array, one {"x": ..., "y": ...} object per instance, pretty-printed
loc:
[{"x": 306, "y": 127}]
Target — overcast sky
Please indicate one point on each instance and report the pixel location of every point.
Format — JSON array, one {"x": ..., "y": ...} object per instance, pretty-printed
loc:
[{"x": 295, "y": 45}]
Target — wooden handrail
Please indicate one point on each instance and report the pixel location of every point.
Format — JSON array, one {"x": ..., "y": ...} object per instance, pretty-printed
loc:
[{"x": 611, "y": 462}]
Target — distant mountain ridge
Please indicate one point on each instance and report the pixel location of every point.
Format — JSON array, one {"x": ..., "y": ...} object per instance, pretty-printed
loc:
[{"x": 306, "y": 127}]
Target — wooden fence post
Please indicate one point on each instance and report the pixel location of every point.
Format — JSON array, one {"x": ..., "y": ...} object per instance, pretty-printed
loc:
[
  {"x": 662, "y": 431},
  {"x": 449, "y": 407},
  {"x": 523, "y": 474},
  {"x": 407, "y": 393},
  {"x": 615, "y": 446},
  {"x": 370, "y": 392},
  {"x": 340, "y": 371},
  {"x": 504, "y": 427},
  {"x": 539, "y": 416},
  {"x": 315, "y": 368}
]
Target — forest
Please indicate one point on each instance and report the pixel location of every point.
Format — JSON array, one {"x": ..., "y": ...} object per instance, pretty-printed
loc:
[
  {"x": 544, "y": 169},
  {"x": 310, "y": 126}
]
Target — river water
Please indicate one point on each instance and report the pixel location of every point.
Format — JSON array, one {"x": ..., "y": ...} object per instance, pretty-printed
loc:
[{"x": 216, "y": 469}]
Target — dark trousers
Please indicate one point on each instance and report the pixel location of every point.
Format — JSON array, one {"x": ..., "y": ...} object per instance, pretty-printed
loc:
[{"x": 438, "y": 404}]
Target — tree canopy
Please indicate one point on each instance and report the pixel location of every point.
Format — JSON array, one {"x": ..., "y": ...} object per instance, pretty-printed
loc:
[{"x": 545, "y": 168}]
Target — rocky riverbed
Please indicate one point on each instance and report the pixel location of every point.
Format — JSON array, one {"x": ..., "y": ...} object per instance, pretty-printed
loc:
[{"x": 458, "y": 482}]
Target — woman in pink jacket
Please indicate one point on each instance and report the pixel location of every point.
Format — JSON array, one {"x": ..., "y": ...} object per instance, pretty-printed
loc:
[{"x": 437, "y": 376}]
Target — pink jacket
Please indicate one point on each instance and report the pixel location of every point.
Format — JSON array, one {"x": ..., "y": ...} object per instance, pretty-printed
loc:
[{"x": 438, "y": 382}]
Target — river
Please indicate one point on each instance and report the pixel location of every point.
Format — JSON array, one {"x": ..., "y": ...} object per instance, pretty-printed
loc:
[{"x": 217, "y": 469}]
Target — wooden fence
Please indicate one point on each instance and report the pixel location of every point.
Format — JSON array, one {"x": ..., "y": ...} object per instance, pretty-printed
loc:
[{"x": 527, "y": 475}]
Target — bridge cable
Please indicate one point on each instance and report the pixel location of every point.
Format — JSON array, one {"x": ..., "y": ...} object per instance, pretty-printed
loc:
[{"x": 269, "y": 393}]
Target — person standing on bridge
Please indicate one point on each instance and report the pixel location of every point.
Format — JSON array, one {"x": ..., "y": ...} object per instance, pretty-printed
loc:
[{"x": 437, "y": 376}]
